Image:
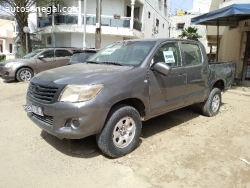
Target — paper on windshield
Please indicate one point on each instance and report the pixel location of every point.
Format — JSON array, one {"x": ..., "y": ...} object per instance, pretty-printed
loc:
[{"x": 108, "y": 51}]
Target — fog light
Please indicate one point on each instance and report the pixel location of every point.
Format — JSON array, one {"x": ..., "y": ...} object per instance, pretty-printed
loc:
[{"x": 75, "y": 124}]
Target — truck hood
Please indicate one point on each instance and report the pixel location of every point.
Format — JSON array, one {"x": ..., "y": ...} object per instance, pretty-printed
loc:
[{"x": 81, "y": 73}]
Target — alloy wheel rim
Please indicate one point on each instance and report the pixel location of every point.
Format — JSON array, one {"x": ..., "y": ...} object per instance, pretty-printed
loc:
[
  {"x": 25, "y": 75},
  {"x": 216, "y": 103},
  {"x": 124, "y": 132}
]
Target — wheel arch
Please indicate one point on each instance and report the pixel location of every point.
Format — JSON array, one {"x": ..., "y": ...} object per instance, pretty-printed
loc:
[
  {"x": 220, "y": 84},
  {"x": 21, "y": 68},
  {"x": 134, "y": 102}
]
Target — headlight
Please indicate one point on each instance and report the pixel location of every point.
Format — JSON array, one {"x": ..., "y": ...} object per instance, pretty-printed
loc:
[
  {"x": 79, "y": 93},
  {"x": 7, "y": 65}
]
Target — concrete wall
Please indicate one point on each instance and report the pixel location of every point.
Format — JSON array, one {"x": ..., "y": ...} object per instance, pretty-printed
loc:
[
  {"x": 230, "y": 2},
  {"x": 157, "y": 11},
  {"x": 230, "y": 45},
  {"x": 6, "y": 37}
]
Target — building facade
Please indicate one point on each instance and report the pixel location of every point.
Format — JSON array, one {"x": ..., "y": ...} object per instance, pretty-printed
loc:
[
  {"x": 179, "y": 22},
  {"x": 234, "y": 41},
  {"x": 120, "y": 20},
  {"x": 7, "y": 34}
]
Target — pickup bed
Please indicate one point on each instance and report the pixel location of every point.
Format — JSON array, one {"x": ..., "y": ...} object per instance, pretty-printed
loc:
[{"x": 122, "y": 85}]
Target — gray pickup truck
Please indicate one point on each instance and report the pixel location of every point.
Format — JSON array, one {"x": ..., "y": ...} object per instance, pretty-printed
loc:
[{"x": 122, "y": 85}]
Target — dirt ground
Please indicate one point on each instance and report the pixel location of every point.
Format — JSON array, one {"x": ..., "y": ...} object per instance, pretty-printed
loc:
[{"x": 178, "y": 149}]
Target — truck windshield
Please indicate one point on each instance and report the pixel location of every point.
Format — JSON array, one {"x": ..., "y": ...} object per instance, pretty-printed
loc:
[
  {"x": 81, "y": 57},
  {"x": 32, "y": 54},
  {"x": 126, "y": 53}
]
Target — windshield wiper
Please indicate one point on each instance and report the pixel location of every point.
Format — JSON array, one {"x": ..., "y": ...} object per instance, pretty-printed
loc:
[
  {"x": 112, "y": 63},
  {"x": 93, "y": 62}
]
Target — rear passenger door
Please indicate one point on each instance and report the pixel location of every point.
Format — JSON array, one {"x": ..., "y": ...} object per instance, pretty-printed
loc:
[
  {"x": 46, "y": 60},
  {"x": 196, "y": 72},
  {"x": 62, "y": 57}
]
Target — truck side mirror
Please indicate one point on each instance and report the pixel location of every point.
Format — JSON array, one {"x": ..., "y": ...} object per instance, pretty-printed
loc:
[{"x": 162, "y": 68}]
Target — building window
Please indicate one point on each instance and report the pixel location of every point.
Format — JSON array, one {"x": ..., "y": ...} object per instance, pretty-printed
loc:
[
  {"x": 62, "y": 53},
  {"x": 163, "y": 26},
  {"x": 10, "y": 48},
  {"x": 157, "y": 23},
  {"x": 48, "y": 40},
  {"x": 180, "y": 25},
  {"x": 148, "y": 14},
  {"x": 1, "y": 48}
]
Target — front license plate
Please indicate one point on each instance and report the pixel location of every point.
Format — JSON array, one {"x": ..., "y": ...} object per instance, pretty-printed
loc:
[{"x": 32, "y": 108}]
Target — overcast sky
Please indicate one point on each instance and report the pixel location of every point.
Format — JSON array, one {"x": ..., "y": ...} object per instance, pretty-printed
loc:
[{"x": 184, "y": 5}]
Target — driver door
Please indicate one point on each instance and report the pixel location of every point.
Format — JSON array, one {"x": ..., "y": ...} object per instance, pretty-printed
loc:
[
  {"x": 46, "y": 61},
  {"x": 167, "y": 92}
]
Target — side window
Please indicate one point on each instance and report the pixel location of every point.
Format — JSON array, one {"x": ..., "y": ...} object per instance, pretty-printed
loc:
[
  {"x": 170, "y": 54},
  {"x": 48, "y": 54},
  {"x": 62, "y": 53},
  {"x": 192, "y": 54}
]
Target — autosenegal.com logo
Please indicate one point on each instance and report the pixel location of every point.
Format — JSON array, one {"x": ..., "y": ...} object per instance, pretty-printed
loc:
[{"x": 49, "y": 10}]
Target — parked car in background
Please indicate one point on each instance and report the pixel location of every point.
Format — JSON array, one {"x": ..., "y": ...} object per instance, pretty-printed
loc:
[
  {"x": 25, "y": 68},
  {"x": 126, "y": 83},
  {"x": 81, "y": 56}
]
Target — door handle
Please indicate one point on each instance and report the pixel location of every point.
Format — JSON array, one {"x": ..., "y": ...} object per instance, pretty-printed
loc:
[
  {"x": 182, "y": 74},
  {"x": 204, "y": 71}
]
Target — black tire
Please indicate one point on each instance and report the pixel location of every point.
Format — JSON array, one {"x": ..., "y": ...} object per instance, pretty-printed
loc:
[
  {"x": 24, "y": 74},
  {"x": 112, "y": 140},
  {"x": 212, "y": 105}
]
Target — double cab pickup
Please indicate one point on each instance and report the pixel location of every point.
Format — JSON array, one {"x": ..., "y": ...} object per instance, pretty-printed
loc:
[{"x": 122, "y": 85}]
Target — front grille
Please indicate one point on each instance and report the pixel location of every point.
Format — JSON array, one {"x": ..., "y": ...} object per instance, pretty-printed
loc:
[
  {"x": 45, "y": 119},
  {"x": 42, "y": 93}
]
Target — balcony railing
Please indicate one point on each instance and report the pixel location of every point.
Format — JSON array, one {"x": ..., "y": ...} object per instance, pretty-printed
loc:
[
  {"x": 109, "y": 21},
  {"x": 90, "y": 20}
]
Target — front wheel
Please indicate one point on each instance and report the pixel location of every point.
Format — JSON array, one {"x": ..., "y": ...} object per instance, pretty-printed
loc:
[
  {"x": 24, "y": 74},
  {"x": 212, "y": 105},
  {"x": 121, "y": 132}
]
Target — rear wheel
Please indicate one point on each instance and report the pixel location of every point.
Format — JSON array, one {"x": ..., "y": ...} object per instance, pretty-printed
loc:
[
  {"x": 121, "y": 132},
  {"x": 24, "y": 74},
  {"x": 212, "y": 105}
]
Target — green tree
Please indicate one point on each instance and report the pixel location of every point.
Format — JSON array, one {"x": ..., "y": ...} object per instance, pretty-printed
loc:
[
  {"x": 13, "y": 7},
  {"x": 190, "y": 33}
]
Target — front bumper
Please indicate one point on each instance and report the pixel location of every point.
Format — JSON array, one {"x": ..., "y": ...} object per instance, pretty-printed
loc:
[
  {"x": 7, "y": 74},
  {"x": 59, "y": 117}
]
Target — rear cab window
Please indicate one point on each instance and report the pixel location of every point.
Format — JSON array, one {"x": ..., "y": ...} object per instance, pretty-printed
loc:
[{"x": 192, "y": 54}]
